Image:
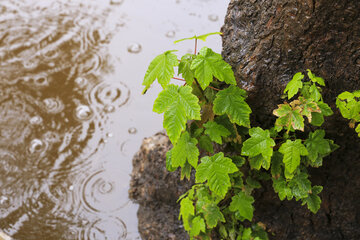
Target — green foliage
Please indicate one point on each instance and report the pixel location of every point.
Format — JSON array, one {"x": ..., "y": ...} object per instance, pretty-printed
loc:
[{"x": 209, "y": 117}]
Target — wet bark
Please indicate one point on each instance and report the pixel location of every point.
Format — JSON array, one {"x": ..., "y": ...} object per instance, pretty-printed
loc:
[{"x": 267, "y": 42}]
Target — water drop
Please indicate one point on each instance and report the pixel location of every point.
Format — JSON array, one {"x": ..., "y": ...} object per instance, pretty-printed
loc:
[
  {"x": 109, "y": 109},
  {"x": 109, "y": 135},
  {"x": 36, "y": 146},
  {"x": 83, "y": 113},
  {"x": 132, "y": 130},
  {"x": 41, "y": 81},
  {"x": 3, "y": 199},
  {"x": 213, "y": 17},
  {"x": 53, "y": 105},
  {"x": 71, "y": 187},
  {"x": 116, "y": 2},
  {"x": 30, "y": 63},
  {"x": 134, "y": 48},
  {"x": 80, "y": 81},
  {"x": 37, "y": 120},
  {"x": 51, "y": 64},
  {"x": 170, "y": 34}
]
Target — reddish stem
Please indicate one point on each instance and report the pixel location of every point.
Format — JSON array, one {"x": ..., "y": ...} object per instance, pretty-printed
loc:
[
  {"x": 195, "y": 45},
  {"x": 179, "y": 79}
]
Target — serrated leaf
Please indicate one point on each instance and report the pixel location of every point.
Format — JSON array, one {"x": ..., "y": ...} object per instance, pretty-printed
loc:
[
  {"x": 317, "y": 119},
  {"x": 280, "y": 187},
  {"x": 230, "y": 101},
  {"x": 357, "y": 129},
  {"x": 242, "y": 203},
  {"x": 184, "y": 68},
  {"x": 292, "y": 150},
  {"x": 216, "y": 170},
  {"x": 259, "y": 143},
  {"x": 294, "y": 85},
  {"x": 289, "y": 118},
  {"x": 325, "y": 109},
  {"x": 252, "y": 182},
  {"x": 313, "y": 201},
  {"x": 186, "y": 210},
  {"x": 256, "y": 162},
  {"x": 178, "y": 105},
  {"x": 206, "y": 144},
  {"x": 161, "y": 68},
  {"x": 212, "y": 215},
  {"x": 314, "y": 93},
  {"x": 185, "y": 150},
  {"x": 307, "y": 107},
  {"x": 197, "y": 226},
  {"x": 246, "y": 234},
  {"x": 316, "y": 145},
  {"x": 346, "y": 96},
  {"x": 201, "y": 37},
  {"x": 216, "y": 131},
  {"x": 169, "y": 166},
  {"x": 315, "y": 79},
  {"x": 185, "y": 171},
  {"x": 276, "y": 160},
  {"x": 300, "y": 186},
  {"x": 208, "y": 65}
]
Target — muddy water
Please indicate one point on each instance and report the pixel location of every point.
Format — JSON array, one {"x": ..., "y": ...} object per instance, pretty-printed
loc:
[{"x": 71, "y": 110}]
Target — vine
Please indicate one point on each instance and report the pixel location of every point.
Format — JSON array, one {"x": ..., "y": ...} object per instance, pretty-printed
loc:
[{"x": 209, "y": 117}]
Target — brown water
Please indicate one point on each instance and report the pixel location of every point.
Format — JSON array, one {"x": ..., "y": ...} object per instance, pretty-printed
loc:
[{"x": 71, "y": 110}]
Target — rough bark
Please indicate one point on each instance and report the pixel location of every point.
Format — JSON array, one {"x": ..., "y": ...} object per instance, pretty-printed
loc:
[{"x": 266, "y": 42}]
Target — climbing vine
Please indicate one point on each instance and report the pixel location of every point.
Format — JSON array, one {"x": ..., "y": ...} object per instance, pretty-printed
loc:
[{"x": 208, "y": 122}]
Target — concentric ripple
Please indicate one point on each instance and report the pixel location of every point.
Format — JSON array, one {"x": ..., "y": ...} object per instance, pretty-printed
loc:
[{"x": 104, "y": 229}]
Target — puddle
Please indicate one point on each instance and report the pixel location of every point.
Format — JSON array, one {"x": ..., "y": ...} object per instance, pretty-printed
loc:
[{"x": 71, "y": 110}]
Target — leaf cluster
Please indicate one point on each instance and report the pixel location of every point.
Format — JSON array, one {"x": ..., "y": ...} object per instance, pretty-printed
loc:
[
  {"x": 349, "y": 106},
  {"x": 208, "y": 122}
]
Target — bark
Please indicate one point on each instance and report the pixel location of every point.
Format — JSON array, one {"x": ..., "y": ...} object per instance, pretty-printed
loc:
[{"x": 267, "y": 42}]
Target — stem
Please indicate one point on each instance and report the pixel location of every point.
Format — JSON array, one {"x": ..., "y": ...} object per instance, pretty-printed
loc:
[
  {"x": 195, "y": 46},
  {"x": 238, "y": 137},
  {"x": 180, "y": 79},
  {"x": 201, "y": 90}
]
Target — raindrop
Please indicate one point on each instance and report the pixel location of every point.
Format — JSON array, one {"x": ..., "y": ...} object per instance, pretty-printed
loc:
[
  {"x": 41, "y": 81},
  {"x": 30, "y": 63},
  {"x": 3, "y": 200},
  {"x": 110, "y": 96},
  {"x": 80, "y": 81},
  {"x": 83, "y": 113},
  {"x": 116, "y": 2},
  {"x": 109, "y": 108},
  {"x": 170, "y": 34},
  {"x": 51, "y": 64},
  {"x": 213, "y": 17},
  {"x": 37, "y": 120},
  {"x": 134, "y": 48},
  {"x": 71, "y": 187},
  {"x": 36, "y": 146},
  {"x": 105, "y": 228},
  {"x": 109, "y": 135},
  {"x": 53, "y": 105},
  {"x": 132, "y": 130}
]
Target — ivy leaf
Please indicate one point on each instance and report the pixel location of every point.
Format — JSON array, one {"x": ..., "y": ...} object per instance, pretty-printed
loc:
[
  {"x": 216, "y": 170},
  {"x": 216, "y": 131},
  {"x": 184, "y": 68},
  {"x": 161, "y": 68},
  {"x": 292, "y": 150},
  {"x": 313, "y": 201},
  {"x": 300, "y": 186},
  {"x": 242, "y": 203},
  {"x": 231, "y": 101},
  {"x": 201, "y": 37},
  {"x": 197, "y": 226},
  {"x": 316, "y": 145},
  {"x": 281, "y": 188},
  {"x": 259, "y": 143},
  {"x": 212, "y": 215},
  {"x": 206, "y": 144},
  {"x": 178, "y": 105},
  {"x": 169, "y": 166},
  {"x": 185, "y": 150},
  {"x": 208, "y": 65},
  {"x": 288, "y": 118},
  {"x": 315, "y": 79},
  {"x": 186, "y": 210},
  {"x": 294, "y": 85}
]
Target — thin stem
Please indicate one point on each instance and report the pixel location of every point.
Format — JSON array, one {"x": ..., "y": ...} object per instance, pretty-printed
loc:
[
  {"x": 195, "y": 46},
  {"x": 180, "y": 79}
]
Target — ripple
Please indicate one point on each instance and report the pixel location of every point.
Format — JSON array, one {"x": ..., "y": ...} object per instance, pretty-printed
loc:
[
  {"x": 103, "y": 192},
  {"x": 37, "y": 146},
  {"x": 170, "y": 34},
  {"x": 116, "y": 2},
  {"x": 107, "y": 228},
  {"x": 110, "y": 95},
  {"x": 53, "y": 105},
  {"x": 134, "y": 48},
  {"x": 213, "y": 17},
  {"x": 132, "y": 130},
  {"x": 83, "y": 113}
]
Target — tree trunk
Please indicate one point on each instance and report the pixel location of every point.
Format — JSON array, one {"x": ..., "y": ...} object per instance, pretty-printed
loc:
[{"x": 267, "y": 42}]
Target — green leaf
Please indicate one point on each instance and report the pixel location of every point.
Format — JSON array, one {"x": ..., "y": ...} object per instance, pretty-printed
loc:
[
  {"x": 184, "y": 68},
  {"x": 315, "y": 79},
  {"x": 216, "y": 170},
  {"x": 294, "y": 85},
  {"x": 252, "y": 182},
  {"x": 325, "y": 109},
  {"x": 357, "y": 129},
  {"x": 314, "y": 93},
  {"x": 197, "y": 226},
  {"x": 186, "y": 210},
  {"x": 259, "y": 143},
  {"x": 216, "y": 131},
  {"x": 317, "y": 119},
  {"x": 346, "y": 96},
  {"x": 206, "y": 144},
  {"x": 300, "y": 186},
  {"x": 161, "y": 68},
  {"x": 169, "y": 166},
  {"x": 201, "y": 37},
  {"x": 208, "y": 65},
  {"x": 292, "y": 150},
  {"x": 289, "y": 118},
  {"x": 276, "y": 160},
  {"x": 242, "y": 203},
  {"x": 313, "y": 201},
  {"x": 246, "y": 234},
  {"x": 231, "y": 101},
  {"x": 280, "y": 187},
  {"x": 178, "y": 105},
  {"x": 185, "y": 150},
  {"x": 316, "y": 145},
  {"x": 256, "y": 162},
  {"x": 212, "y": 215},
  {"x": 185, "y": 171}
]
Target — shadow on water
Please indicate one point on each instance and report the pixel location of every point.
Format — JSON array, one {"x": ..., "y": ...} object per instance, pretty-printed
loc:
[{"x": 58, "y": 103}]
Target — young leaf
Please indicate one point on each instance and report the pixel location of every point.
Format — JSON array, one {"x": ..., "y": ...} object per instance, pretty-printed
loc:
[
  {"x": 292, "y": 150},
  {"x": 231, "y": 101},
  {"x": 259, "y": 143},
  {"x": 216, "y": 131},
  {"x": 300, "y": 185},
  {"x": 185, "y": 171},
  {"x": 288, "y": 118},
  {"x": 208, "y": 65},
  {"x": 316, "y": 145},
  {"x": 242, "y": 203},
  {"x": 212, "y": 215},
  {"x": 185, "y": 150},
  {"x": 184, "y": 68},
  {"x": 186, "y": 210},
  {"x": 201, "y": 37},
  {"x": 280, "y": 187},
  {"x": 314, "y": 93},
  {"x": 216, "y": 170},
  {"x": 161, "y": 68},
  {"x": 178, "y": 105},
  {"x": 315, "y": 79},
  {"x": 294, "y": 85},
  {"x": 313, "y": 201},
  {"x": 197, "y": 226}
]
